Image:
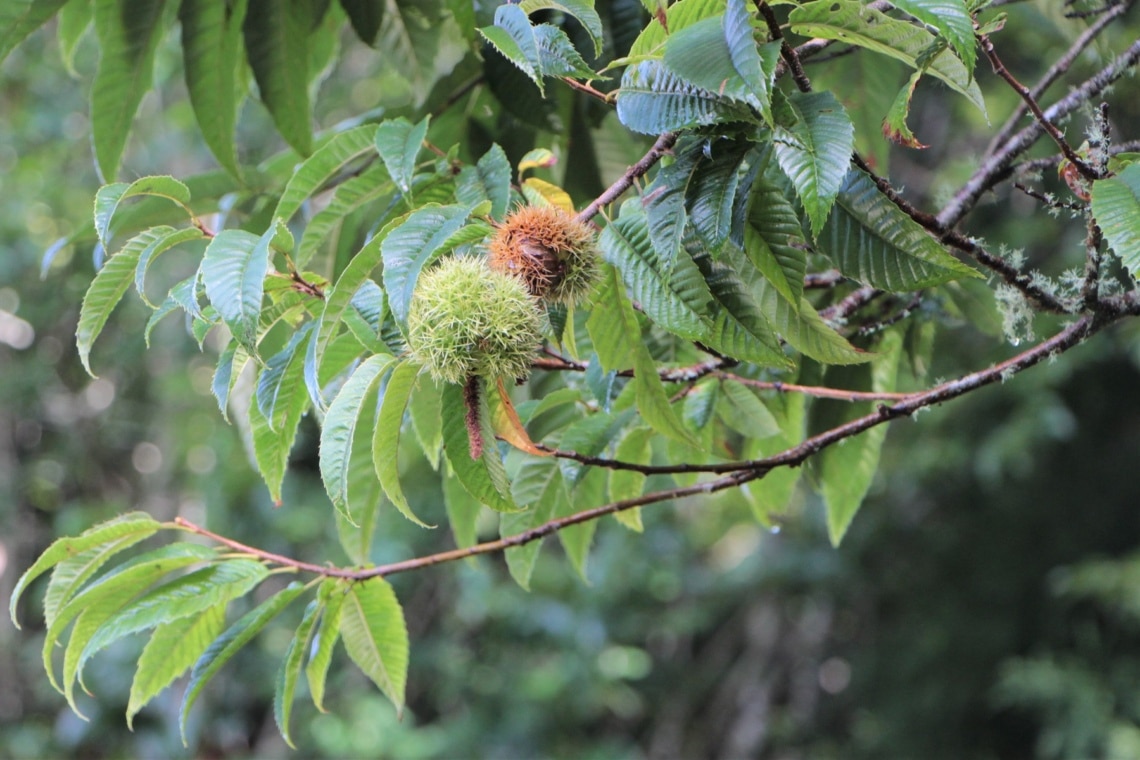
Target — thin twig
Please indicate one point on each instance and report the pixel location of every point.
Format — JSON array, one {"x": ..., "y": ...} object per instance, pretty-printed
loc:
[
  {"x": 1033, "y": 166},
  {"x": 756, "y": 469},
  {"x": 1047, "y": 200},
  {"x": 1050, "y": 128},
  {"x": 839, "y": 312},
  {"x": 820, "y": 280},
  {"x": 994, "y": 168},
  {"x": 815, "y": 391},
  {"x": 878, "y": 325},
  {"x": 660, "y": 149},
  {"x": 787, "y": 52},
  {"x": 574, "y": 84},
  {"x": 1059, "y": 68},
  {"x": 1098, "y": 150},
  {"x": 1010, "y": 274}
]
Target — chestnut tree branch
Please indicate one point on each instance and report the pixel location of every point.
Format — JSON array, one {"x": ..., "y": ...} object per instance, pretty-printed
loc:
[
  {"x": 739, "y": 472},
  {"x": 993, "y": 169},
  {"x": 1087, "y": 171},
  {"x": 660, "y": 148},
  {"x": 1056, "y": 71}
]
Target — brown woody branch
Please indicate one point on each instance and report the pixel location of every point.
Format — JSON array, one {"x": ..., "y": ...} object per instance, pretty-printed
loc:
[
  {"x": 1087, "y": 171},
  {"x": 743, "y": 472},
  {"x": 996, "y": 166},
  {"x": 1056, "y": 71},
  {"x": 934, "y": 224},
  {"x": 659, "y": 150},
  {"x": 790, "y": 58}
]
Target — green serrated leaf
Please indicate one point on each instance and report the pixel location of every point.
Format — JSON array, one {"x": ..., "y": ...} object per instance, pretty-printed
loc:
[
  {"x": 871, "y": 240},
  {"x": 411, "y": 246},
  {"x": 273, "y": 437},
  {"x": 678, "y": 16},
  {"x": 70, "y": 575},
  {"x": 376, "y": 636},
  {"x": 318, "y": 169},
  {"x": 182, "y": 597},
  {"x": 804, "y": 329},
  {"x": 895, "y": 127},
  {"x": 653, "y": 99},
  {"x": 128, "y": 32},
  {"x": 108, "y": 288},
  {"x": 233, "y": 272},
  {"x": 576, "y": 539},
  {"x": 168, "y": 239},
  {"x": 386, "y": 439},
  {"x": 514, "y": 38},
  {"x": 539, "y": 486},
  {"x": 773, "y": 237},
  {"x": 133, "y": 525},
  {"x": 629, "y": 484},
  {"x": 744, "y": 412},
  {"x": 290, "y": 669},
  {"x": 854, "y": 23},
  {"x": 102, "y": 599},
  {"x": 278, "y": 381},
  {"x": 557, "y": 55},
  {"x": 847, "y": 470},
  {"x": 276, "y": 36},
  {"x": 614, "y": 328},
  {"x": 462, "y": 511},
  {"x": 364, "y": 492},
  {"x": 813, "y": 141},
  {"x": 769, "y": 496},
  {"x": 366, "y": 315},
  {"x": 589, "y": 436},
  {"x": 227, "y": 645},
  {"x": 337, "y": 301},
  {"x": 1116, "y": 208},
  {"x": 354, "y": 193},
  {"x": 674, "y": 297},
  {"x": 712, "y": 192},
  {"x": 172, "y": 649},
  {"x": 398, "y": 142},
  {"x": 230, "y": 364},
  {"x": 664, "y": 201},
  {"x": 340, "y": 427},
  {"x": 719, "y": 54},
  {"x": 952, "y": 20},
  {"x": 489, "y": 179},
  {"x": 424, "y": 406},
  {"x": 583, "y": 10},
  {"x": 739, "y": 328},
  {"x": 484, "y": 478},
  {"x": 331, "y": 595},
  {"x": 108, "y": 198},
  {"x": 19, "y": 18},
  {"x": 211, "y": 57}
]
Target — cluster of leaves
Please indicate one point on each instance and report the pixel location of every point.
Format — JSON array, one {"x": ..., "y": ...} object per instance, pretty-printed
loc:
[
  {"x": 181, "y": 591},
  {"x": 704, "y": 271}
]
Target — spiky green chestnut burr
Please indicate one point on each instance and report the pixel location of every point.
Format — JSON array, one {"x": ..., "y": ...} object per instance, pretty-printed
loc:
[{"x": 466, "y": 320}]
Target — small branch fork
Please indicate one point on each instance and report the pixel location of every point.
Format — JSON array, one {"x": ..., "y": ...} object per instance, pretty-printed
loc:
[{"x": 1098, "y": 311}]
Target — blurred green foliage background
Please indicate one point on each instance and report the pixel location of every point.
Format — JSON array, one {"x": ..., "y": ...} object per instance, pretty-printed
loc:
[{"x": 986, "y": 603}]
